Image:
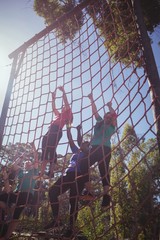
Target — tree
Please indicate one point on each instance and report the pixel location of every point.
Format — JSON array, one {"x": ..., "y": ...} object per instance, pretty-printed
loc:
[
  {"x": 52, "y": 10},
  {"x": 114, "y": 20},
  {"x": 129, "y": 139},
  {"x": 135, "y": 187}
]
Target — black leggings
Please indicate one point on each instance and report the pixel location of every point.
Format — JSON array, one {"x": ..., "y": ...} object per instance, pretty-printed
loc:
[
  {"x": 63, "y": 184},
  {"x": 49, "y": 143},
  {"x": 102, "y": 155},
  {"x": 20, "y": 199}
]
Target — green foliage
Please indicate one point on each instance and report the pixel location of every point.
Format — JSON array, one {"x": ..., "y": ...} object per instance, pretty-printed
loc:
[
  {"x": 51, "y": 10},
  {"x": 116, "y": 23},
  {"x": 135, "y": 187},
  {"x": 12, "y": 151},
  {"x": 115, "y": 20},
  {"x": 94, "y": 221},
  {"x": 129, "y": 139},
  {"x": 135, "y": 192}
]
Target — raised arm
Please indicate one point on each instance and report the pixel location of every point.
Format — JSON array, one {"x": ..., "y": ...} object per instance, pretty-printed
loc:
[
  {"x": 109, "y": 105},
  {"x": 35, "y": 154},
  {"x": 70, "y": 139},
  {"x": 15, "y": 165},
  {"x": 79, "y": 135},
  {"x": 114, "y": 115},
  {"x": 54, "y": 109},
  {"x": 94, "y": 108},
  {"x": 66, "y": 103}
]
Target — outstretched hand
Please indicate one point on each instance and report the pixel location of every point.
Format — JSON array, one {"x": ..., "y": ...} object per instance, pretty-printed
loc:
[
  {"x": 61, "y": 88},
  {"x": 109, "y": 104},
  {"x": 53, "y": 95},
  {"x": 79, "y": 127},
  {"x": 90, "y": 96},
  {"x": 32, "y": 144}
]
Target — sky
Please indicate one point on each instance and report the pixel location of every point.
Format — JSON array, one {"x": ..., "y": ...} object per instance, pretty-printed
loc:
[{"x": 18, "y": 23}]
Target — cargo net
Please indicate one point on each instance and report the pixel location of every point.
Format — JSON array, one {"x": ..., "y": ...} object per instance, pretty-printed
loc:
[{"x": 101, "y": 58}]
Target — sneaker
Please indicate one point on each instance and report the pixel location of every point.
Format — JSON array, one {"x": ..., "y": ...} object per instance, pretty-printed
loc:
[
  {"x": 87, "y": 196},
  {"x": 52, "y": 224},
  {"x": 68, "y": 233},
  {"x": 106, "y": 200}
]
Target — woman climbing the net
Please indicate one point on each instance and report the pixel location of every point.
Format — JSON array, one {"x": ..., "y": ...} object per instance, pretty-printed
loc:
[{"x": 52, "y": 137}]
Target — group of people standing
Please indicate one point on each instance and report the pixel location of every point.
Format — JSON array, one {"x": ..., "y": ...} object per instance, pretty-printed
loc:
[
  {"x": 13, "y": 202},
  {"x": 76, "y": 176}
]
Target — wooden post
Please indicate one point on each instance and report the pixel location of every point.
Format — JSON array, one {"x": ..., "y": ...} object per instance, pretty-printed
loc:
[
  {"x": 153, "y": 76},
  {"x": 6, "y": 100}
]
